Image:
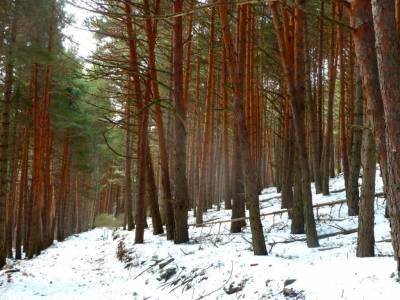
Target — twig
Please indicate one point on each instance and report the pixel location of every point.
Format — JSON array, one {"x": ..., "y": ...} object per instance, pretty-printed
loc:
[
  {"x": 184, "y": 253},
  {"x": 330, "y": 248},
  {"x": 222, "y": 286},
  {"x": 246, "y": 240},
  {"x": 384, "y": 241},
  {"x": 153, "y": 265}
]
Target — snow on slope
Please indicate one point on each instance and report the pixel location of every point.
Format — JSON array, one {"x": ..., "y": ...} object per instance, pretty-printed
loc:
[{"x": 215, "y": 264}]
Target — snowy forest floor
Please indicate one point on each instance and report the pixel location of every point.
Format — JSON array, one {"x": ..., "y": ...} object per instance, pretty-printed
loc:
[{"x": 215, "y": 264}]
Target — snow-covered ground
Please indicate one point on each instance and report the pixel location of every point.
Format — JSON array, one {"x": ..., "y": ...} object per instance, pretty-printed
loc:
[{"x": 215, "y": 264}]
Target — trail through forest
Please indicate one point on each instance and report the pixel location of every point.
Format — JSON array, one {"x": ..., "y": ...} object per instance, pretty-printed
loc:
[
  {"x": 105, "y": 263},
  {"x": 133, "y": 170}
]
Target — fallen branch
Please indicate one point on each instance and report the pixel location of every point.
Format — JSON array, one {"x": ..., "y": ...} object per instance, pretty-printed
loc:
[
  {"x": 272, "y": 198},
  {"x": 273, "y": 213},
  {"x": 277, "y": 212},
  {"x": 329, "y": 248},
  {"x": 384, "y": 241},
  {"x": 162, "y": 265},
  {"x": 322, "y": 236},
  {"x": 152, "y": 266}
]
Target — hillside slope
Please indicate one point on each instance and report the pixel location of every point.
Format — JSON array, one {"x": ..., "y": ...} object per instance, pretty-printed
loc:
[{"x": 215, "y": 264}]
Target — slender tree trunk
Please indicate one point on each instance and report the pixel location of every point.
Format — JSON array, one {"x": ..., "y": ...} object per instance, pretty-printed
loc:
[
  {"x": 326, "y": 155},
  {"x": 342, "y": 108},
  {"x": 205, "y": 163},
  {"x": 312, "y": 118},
  {"x": 299, "y": 124},
  {"x": 142, "y": 124},
  {"x": 35, "y": 235},
  {"x": 320, "y": 92},
  {"x": 238, "y": 198},
  {"x": 287, "y": 163},
  {"x": 297, "y": 225},
  {"x": 365, "y": 238},
  {"x": 46, "y": 145},
  {"x": 181, "y": 202},
  {"x": 227, "y": 194},
  {"x": 197, "y": 132},
  {"x": 188, "y": 56},
  {"x": 143, "y": 154},
  {"x": 63, "y": 187},
  {"x": 128, "y": 163},
  {"x": 355, "y": 162},
  {"x": 23, "y": 189},
  {"x": 351, "y": 89},
  {"x": 153, "y": 197},
  {"x": 78, "y": 207},
  {"x": 12, "y": 202}
]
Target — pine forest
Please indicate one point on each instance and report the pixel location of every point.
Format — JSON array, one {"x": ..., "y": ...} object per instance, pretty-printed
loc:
[{"x": 199, "y": 149}]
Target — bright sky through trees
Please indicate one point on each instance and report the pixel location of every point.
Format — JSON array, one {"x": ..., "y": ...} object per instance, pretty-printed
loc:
[{"x": 77, "y": 33}]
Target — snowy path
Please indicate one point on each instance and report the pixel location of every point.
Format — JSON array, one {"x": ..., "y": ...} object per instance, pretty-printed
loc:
[
  {"x": 213, "y": 265},
  {"x": 83, "y": 267}
]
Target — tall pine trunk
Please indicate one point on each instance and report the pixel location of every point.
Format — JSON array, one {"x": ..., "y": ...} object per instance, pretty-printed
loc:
[
  {"x": 327, "y": 148},
  {"x": 388, "y": 57},
  {"x": 364, "y": 44},
  {"x": 8, "y": 86},
  {"x": 151, "y": 28},
  {"x": 250, "y": 177},
  {"x": 365, "y": 238},
  {"x": 355, "y": 157},
  {"x": 181, "y": 201},
  {"x": 294, "y": 74}
]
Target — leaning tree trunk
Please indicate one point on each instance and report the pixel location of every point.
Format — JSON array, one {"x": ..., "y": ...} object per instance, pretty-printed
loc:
[
  {"x": 388, "y": 58},
  {"x": 142, "y": 123},
  {"x": 294, "y": 74},
  {"x": 250, "y": 177},
  {"x": 364, "y": 42},
  {"x": 151, "y": 28}
]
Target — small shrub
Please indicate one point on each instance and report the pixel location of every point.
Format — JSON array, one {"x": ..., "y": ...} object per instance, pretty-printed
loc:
[{"x": 122, "y": 252}]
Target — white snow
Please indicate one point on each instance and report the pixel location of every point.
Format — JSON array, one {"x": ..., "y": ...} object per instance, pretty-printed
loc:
[{"x": 85, "y": 266}]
